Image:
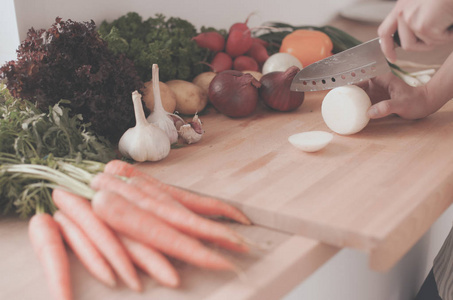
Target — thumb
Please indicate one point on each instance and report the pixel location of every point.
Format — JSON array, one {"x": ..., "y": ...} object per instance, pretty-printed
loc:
[{"x": 380, "y": 109}]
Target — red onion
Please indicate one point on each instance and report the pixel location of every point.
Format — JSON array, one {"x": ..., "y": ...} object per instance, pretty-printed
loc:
[
  {"x": 275, "y": 92},
  {"x": 234, "y": 93}
]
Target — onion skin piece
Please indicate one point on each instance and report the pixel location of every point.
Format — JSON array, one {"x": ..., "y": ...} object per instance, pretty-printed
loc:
[
  {"x": 234, "y": 93},
  {"x": 275, "y": 90}
]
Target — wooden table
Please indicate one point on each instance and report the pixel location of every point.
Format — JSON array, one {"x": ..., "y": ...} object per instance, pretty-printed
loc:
[{"x": 376, "y": 191}]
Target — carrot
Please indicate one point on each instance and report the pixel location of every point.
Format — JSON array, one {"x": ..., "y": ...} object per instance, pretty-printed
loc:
[
  {"x": 46, "y": 241},
  {"x": 232, "y": 240},
  {"x": 151, "y": 261},
  {"x": 211, "y": 40},
  {"x": 196, "y": 203},
  {"x": 164, "y": 207},
  {"x": 141, "y": 225},
  {"x": 84, "y": 249},
  {"x": 244, "y": 63},
  {"x": 78, "y": 209}
]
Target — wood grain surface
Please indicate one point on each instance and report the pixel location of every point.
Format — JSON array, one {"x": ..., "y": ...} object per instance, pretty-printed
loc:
[{"x": 378, "y": 189}]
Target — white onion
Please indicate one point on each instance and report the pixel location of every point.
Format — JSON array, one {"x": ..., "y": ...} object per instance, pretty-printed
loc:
[
  {"x": 280, "y": 62},
  {"x": 344, "y": 109}
]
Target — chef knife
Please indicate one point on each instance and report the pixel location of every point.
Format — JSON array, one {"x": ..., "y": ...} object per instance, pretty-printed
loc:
[{"x": 347, "y": 67}]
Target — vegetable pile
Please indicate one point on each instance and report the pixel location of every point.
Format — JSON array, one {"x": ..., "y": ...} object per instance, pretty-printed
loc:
[
  {"x": 70, "y": 61},
  {"x": 273, "y": 58}
]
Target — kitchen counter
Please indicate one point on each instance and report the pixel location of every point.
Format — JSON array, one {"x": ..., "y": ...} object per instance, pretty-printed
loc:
[{"x": 377, "y": 191}]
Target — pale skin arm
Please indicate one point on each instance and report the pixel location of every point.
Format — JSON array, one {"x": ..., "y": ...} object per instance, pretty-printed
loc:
[
  {"x": 393, "y": 96},
  {"x": 421, "y": 25}
]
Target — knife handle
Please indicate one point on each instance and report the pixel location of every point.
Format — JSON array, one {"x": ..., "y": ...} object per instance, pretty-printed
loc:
[
  {"x": 396, "y": 36},
  {"x": 396, "y": 39}
]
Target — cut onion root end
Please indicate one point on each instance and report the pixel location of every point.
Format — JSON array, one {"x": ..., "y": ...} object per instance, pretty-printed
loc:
[{"x": 311, "y": 141}]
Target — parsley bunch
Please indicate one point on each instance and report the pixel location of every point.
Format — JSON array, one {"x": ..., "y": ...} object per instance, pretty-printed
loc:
[{"x": 166, "y": 42}]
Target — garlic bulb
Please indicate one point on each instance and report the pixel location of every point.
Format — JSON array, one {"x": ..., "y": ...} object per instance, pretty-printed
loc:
[
  {"x": 160, "y": 117},
  {"x": 145, "y": 141},
  {"x": 192, "y": 131}
]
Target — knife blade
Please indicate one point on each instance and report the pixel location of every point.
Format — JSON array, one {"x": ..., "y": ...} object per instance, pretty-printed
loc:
[{"x": 350, "y": 66}]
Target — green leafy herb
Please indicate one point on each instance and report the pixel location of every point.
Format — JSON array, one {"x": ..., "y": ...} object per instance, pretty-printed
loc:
[
  {"x": 166, "y": 42},
  {"x": 29, "y": 136},
  {"x": 29, "y": 133},
  {"x": 26, "y": 187}
]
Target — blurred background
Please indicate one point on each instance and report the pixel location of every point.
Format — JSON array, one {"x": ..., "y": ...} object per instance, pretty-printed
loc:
[{"x": 17, "y": 16}]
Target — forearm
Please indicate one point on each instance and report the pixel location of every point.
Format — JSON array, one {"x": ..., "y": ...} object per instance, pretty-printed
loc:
[{"x": 440, "y": 87}]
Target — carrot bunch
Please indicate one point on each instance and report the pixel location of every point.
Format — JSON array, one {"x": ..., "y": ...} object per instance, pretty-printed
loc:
[{"x": 132, "y": 221}]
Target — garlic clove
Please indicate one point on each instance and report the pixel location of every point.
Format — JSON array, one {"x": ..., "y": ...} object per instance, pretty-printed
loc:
[
  {"x": 192, "y": 131},
  {"x": 177, "y": 120},
  {"x": 196, "y": 124},
  {"x": 189, "y": 135}
]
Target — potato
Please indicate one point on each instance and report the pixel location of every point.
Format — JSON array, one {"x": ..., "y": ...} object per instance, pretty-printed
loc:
[
  {"x": 166, "y": 94},
  {"x": 190, "y": 98},
  {"x": 204, "y": 79}
]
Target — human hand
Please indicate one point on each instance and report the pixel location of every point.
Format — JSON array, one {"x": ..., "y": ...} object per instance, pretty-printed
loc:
[
  {"x": 421, "y": 25},
  {"x": 391, "y": 95}
]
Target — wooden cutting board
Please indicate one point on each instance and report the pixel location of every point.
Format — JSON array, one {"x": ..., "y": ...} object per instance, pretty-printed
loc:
[
  {"x": 277, "y": 263},
  {"x": 378, "y": 190}
]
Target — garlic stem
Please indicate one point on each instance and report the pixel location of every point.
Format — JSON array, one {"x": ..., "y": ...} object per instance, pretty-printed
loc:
[
  {"x": 160, "y": 117},
  {"x": 140, "y": 118},
  {"x": 156, "y": 88}
]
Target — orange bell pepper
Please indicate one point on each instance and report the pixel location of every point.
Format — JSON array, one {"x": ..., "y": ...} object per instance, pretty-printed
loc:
[{"x": 308, "y": 46}]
